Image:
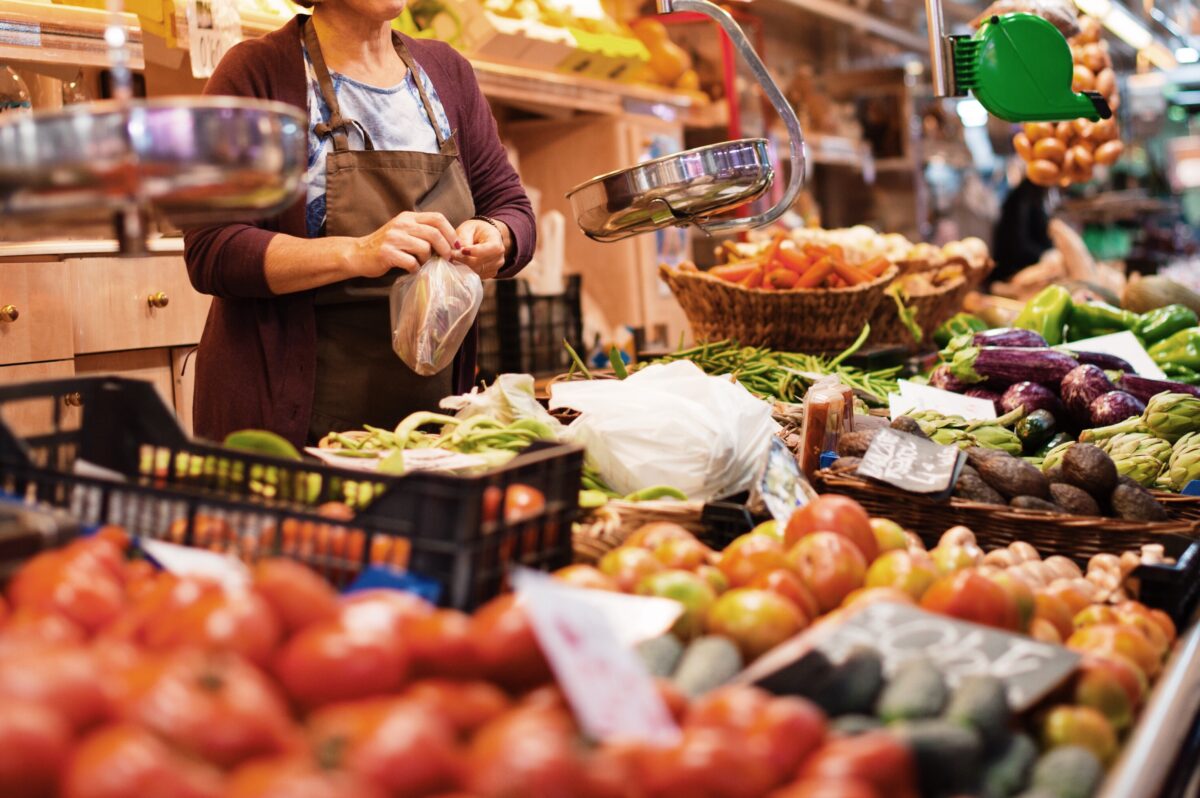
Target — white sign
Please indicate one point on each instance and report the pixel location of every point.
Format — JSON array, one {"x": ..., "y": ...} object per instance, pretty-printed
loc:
[
  {"x": 1126, "y": 346},
  {"x": 914, "y": 396},
  {"x": 186, "y": 561},
  {"x": 214, "y": 26},
  {"x": 608, "y": 688}
]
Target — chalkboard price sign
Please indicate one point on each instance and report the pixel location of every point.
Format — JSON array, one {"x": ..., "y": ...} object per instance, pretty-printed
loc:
[{"x": 911, "y": 463}]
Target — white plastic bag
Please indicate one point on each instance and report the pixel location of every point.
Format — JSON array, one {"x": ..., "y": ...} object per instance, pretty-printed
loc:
[
  {"x": 432, "y": 310},
  {"x": 671, "y": 425}
]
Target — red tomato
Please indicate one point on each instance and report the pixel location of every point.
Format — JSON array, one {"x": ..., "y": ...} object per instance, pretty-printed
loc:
[
  {"x": 652, "y": 535},
  {"x": 675, "y": 699},
  {"x": 506, "y": 645},
  {"x": 76, "y": 583},
  {"x": 441, "y": 645},
  {"x": 404, "y": 747},
  {"x": 827, "y": 788},
  {"x": 587, "y": 576},
  {"x": 215, "y": 706},
  {"x": 830, "y": 565},
  {"x": 120, "y": 761},
  {"x": 733, "y": 707},
  {"x": 383, "y": 611},
  {"x": 788, "y": 729},
  {"x": 152, "y": 621},
  {"x": 40, "y": 626},
  {"x": 875, "y": 757},
  {"x": 296, "y": 777},
  {"x": 749, "y": 557},
  {"x": 241, "y": 624},
  {"x": 297, "y": 595},
  {"x": 34, "y": 742},
  {"x": 710, "y": 762},
  {"x": 522, "y": 502},
  {"x": 114, "y": 534},
  {"x": 99, "y": 551},
  {"x": 757, "y": 620},
  {"x": 468, "y": 706},
  {"x": 64, "y": 678},
  {"x": 526, "y": 752},
  {"x": 838, "y": 514},
  {"x": 970, "y": 596},
  {"x": 785, "y": 582},
  {"x": 329, "y": 662},
  {"x": 139, "y": 576}
]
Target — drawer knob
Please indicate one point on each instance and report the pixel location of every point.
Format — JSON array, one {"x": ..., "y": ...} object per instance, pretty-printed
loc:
[
  {"x": 158, "y": 299},
  {"x": 74, "y": 399},
  {"x": 9, "y": 313}
]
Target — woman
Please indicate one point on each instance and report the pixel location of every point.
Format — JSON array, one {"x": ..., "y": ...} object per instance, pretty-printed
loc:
[{"x": 404, "y": 163}]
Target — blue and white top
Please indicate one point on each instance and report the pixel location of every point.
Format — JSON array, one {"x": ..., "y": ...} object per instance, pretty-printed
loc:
[{"x": 394, "y": 118}]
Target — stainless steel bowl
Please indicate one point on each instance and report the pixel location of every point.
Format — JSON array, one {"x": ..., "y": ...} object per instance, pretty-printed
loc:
[
  {"x": 192, "y": 160},
  {"x": 687, "y": 187}
]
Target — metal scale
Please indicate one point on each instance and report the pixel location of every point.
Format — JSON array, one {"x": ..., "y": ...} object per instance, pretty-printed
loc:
[{"x": 1018, "y": 66}]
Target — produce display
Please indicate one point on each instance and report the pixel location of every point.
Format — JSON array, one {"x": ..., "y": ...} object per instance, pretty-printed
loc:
[{"x": 784, "y": 265}]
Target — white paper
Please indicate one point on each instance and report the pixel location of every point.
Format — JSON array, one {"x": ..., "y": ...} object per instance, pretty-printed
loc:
[
  {"x": 1126, "y": 346},
  {"x": 186, "y": 561},
  {"x": 670, "y": 424},
  {"x": 915, "y": 397},
  {"x": 610, "y": 691}
]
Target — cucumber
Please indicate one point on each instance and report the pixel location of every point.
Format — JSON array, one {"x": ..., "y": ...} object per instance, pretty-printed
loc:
[
  {"x": 707, "y": 663},
  {"x": 981, "y": 702},
  {"x": 1068, "y": 772},
  {"x": 916, "y": 691},
  {"x": 1008, "y": 773},
  {"x": 947, "y": 755},
  {"x": 1035, "y": 429},
  {"x": 660, "y": 655}
]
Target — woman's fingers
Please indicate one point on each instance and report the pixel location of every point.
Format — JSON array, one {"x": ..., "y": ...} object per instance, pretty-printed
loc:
[
  {"x": 439, "y": 223},
  {"x": 400, "y": 259}
]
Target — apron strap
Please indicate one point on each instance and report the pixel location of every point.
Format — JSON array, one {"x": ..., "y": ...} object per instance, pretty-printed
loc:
[
  {"x": 446, "y": 146},
  {"x": 337, "y": 124}
]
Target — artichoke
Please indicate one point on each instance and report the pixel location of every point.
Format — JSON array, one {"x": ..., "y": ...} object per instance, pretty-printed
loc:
[
  {"x": 1128, "y": 444},
  {"x": 1172, "y": 415},
  {"x": 949, "y": 436},
  {"x": 1141, "y": 468},
  {"x": 1054, "y": 456},
  {"x": 1184, "y": 465},
  {"x": 1127, "y": 427},
  {"x": 996, "y": 437}
]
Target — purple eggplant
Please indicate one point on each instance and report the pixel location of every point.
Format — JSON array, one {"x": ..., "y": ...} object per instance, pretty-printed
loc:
[
  {"x": 1010, "y": 336},
  {"x": 984, "y": 393},
  {"x": 941, "y": 377},
  {"x": 1104, "y": 361},
  {"x": 1081, "y": 387},
  {"x": 1031, "y": 396},
  {"x": 1144, "y": 388},
  {"x": 1009, "y": 364},
  {"x": 1114, "y": 407}
]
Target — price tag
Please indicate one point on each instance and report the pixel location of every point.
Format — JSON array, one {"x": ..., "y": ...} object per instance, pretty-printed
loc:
[
  {"x": 782, "y": 486},
  {"x": 1126, "y": 346},
  {"x": 186, "y": 561},
  {"x": 214, "y": 26},
  {"x": 608, "y": 688},
  {"x": 914, "y": 396},
  {"x": 1029, "y": 669},
  {"x": 911, "y": 463}
]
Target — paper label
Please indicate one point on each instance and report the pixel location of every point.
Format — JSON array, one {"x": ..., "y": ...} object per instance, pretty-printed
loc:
[
  {"x": 782, "y": 485},
  {"x": 608, "y": 688},
  {"x": 1126, "y": 346},
  {"x": 214, "y": 26},
  {"x": 186, "y": 561},
  {"x": 911, "y": 463},
  {"x": 916, "y": 397}
]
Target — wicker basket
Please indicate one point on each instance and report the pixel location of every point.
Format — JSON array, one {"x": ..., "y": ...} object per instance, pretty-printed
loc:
[
  {"x": 608, "y": 527},
  {"x": 932, "y": 309},
  {"x": 825, "y": 319}
]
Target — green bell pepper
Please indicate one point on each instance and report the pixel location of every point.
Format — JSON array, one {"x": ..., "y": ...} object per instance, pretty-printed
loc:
[
  {"x": 1181, "y": 374},
  {"x": 1162, "y": 323},
  {"x": 1179, "y": 350},
  {"x": 956, "y": 325},
  {"x": 1097, "y": 318},
  {"x": 1047, "y": 314}
]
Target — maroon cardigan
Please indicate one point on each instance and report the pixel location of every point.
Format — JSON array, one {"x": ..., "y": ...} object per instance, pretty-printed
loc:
[{"x": 256, "y": 366}]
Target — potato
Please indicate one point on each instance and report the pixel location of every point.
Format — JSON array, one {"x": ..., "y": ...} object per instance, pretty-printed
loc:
[
  {"x": 1050, "y": 149},
  {"x": 1083, "y": 128},
  {"x": 1043, "y": 173},
  {"x": 1089, "y": 30},
  {"x": 1104, "y": 130},
  {"x": 1083, "y": 79},
  {"x": 1093, "y": 57},
  {"x": 1063, "y": 131},
  {"x": 1108, "y": 152},
  {"x": 1023, "y": 146},
  {"x": 1081, "y": 157},
  {"x": 1106, "y": 82},
  {"x": 1038, "y": 130}
]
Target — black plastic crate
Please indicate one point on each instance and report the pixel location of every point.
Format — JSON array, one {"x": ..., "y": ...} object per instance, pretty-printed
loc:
[
  {"x": 523, "y": 333},
  {"x": 126, "y": 461}
]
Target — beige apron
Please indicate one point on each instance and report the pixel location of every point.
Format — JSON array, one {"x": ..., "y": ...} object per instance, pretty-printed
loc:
[{"x": 359, "y": 379}]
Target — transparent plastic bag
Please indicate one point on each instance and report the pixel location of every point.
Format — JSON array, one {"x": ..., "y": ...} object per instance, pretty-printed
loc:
[{"x": 432, "y": 310}]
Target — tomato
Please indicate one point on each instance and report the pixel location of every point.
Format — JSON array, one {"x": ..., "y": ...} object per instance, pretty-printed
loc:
[
  {"x": 114, "y": 534},
  {"x": 827, "y": 788},
  {"x": 969, "y": 596},
  {"x": 242, "y": 624},
  {"x": 297, "y": 595},
  {"x": 757, "y": 620},
  {"x": 40, "y": 626},
  {"x": 654, "y": 534},
  {"x": 330, "y": 662},
  {"x": 902, "y": 570},
  {"x": 838, "y": 514},
  {"x": 749, "y": 557},
  {"x": 1082, "y": 726},
  {"x": 493, "y": 497},
  {"x": 522, "y": 502},
  {"x": 77, "y": 583},
  {"x": 585, "y": 576},
  {"x": 467, "y": 706},
  {"x": 506, "y": 645},
  {"x": 690, "y": 590},
  {"x": 64, "y": 678},
  {"x": 34, "y": 742},
  {"x": 441, "y": 644},
  {"x": 612, "y": 771},
  {"x": 296, "y": 777},
  {"x": 1021, "y": 602},
  {"x": 627, "y": 566},
  {"x": 138, "y": 576},
  {"x": 732, "y": 707},
  {"x": 875, "y": 757},
  {"x": 674, "y": 698},
  {"x": 100, "y": 552},
  {"x": 383, "y": 611},
  {"x": 1054, "y": 610},
  {"x": 830, "y": 566},
  {"x": 151, "y": 621},
  {"x": 685, "y": 554},
  {"x": 785, "y": 582},
  {"x": 788, "y": 729},
  {"x": 121, "y": 760},
  {"x": 527, "y": 752},
  {"x": 215, "y": 706},
  {"x": 1126, "y": 641},
  {"x": 405, "y": 747},
  {"x": 710, "y": 762}
]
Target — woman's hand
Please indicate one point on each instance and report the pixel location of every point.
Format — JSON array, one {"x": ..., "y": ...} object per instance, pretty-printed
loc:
[
  {"x": 484, "y": 246},
  {"x": 405, "y": 242}
]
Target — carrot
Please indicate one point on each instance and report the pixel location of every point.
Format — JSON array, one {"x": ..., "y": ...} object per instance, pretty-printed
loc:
[
  {"x": 876, "y": 266},
  {"x": 850, "y": 274},
  {"x": 736, "y": 272},
  {"x": 819, "y": 272},
  {"x": 836, "y": 252},
  {"x": 835, "y": 281},
  {"x": 753, "y": 279},
  {"x": 794, "y": 260},
  {"x": 781, "y": 279},
  {"x": 773, "y": 249}
]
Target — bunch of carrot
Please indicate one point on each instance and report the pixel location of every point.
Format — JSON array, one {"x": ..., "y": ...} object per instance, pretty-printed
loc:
[{"x": 784, "y": 266}]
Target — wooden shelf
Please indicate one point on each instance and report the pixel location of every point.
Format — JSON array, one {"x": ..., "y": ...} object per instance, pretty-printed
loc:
[{"x": 40, "y": 33}]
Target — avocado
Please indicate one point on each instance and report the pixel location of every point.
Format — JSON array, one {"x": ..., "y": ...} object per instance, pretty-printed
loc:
[
  {"x": 854, "y": 725},
  {"x": 1008, "y": 772},
  {"x": 1135, "y": 503},
  {"x": 909, "y": 425},
  {"x": 1068, "y": 772},
  {"x": 1034, "y": 503},
  {"x": 1012, "y": 476},
  {"x": 852, "y": 687},
  {"x": 981, "y": 703},
  {"x": 855, "y": 444},
  {"x": 660, "y": 655},
  {"x": 970, "y": 486},
  {"x": 947, "y": 755},
  {"x": 707, "y": 663},
  {"x": 1088, "y": 467},
  {"x": 1074, "y": 500},
  {"x": 916, "y": 691}
]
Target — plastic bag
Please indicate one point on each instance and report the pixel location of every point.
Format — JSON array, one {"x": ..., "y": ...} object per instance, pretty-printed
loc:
[{"x": 432, "y": 310}]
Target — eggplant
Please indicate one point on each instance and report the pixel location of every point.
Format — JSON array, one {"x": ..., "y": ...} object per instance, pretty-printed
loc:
[
  {"x": 1115, "y": 407},
  {"x": 984, "y": 393},
  {"x": 1032, "y": 396},
  {"x": 1010, "y": 336},
  {"x": 1102, "y": 360},
  {"x": 1144, "y": 387},
  {"x": 941, "y": 377},
  {"x": 1081, "y": 387},
  {"x": 1009, "y": 364}
]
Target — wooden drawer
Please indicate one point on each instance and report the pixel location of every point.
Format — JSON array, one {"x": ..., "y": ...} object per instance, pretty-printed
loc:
[
  {"x": 151, "y": 365},
  {"x": 40, "y": 295},
  {"x": 37, "y": 417},
  {"x": 112, "y": 308}
]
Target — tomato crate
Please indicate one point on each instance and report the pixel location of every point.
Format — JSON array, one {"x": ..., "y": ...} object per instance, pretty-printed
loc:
[{"x": 109, "y": 451}]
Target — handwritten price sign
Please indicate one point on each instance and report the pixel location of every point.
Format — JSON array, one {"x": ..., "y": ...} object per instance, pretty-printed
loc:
[{"x": 214, "y": 26}]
